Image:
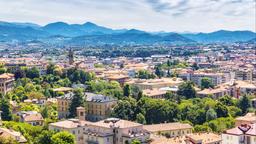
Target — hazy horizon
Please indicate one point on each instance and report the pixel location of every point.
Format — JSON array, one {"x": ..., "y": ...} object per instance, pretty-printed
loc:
[{"x": 148, "y": 15}]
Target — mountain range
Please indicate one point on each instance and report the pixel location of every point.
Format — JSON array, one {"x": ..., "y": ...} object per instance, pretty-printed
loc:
[{"x": 90, "y": 33}]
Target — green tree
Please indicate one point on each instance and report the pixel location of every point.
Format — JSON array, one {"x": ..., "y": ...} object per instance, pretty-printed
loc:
[
  {"x": 159, "y": 72},
  {"x": 33, "y": 73},
  {"x": 140, "y": 118},
  {"x": 77, "y": 100},
  {"x": 63, "y": 138},
  {"x": 6, "y": 110},
  {"x": 127, "y": 90},
  {"x": 3, "y": 70},
  {"x": 135, "y": 142},
  {"x": 211, "y": 115},
  {"x": 221, "y": 110},
  {"x": 206, "y": 83},
  {"x": 187, "y": 90},
  {"x": 50, "y": 68},
  {"x": 45, "y": 137},
  {"x": 244, "y": 104},
  {"x": 7, "y": 140}
]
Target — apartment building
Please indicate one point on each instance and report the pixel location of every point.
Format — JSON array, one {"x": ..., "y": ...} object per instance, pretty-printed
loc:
[
  {"x": 244, "y": 74},
  {"x": 6, "y": 82},
  {"x": 115, "y": 131},
  {"x": 249, "y": 118},
  {"x": 31, "y": 117},
  {"x": 98, "y": 107},
  {"x": 171, "y": 129},
  {"x": 155, "y": 83},
  {"x": 216, "y": 78},
  {"x": 244, "y": 134}
]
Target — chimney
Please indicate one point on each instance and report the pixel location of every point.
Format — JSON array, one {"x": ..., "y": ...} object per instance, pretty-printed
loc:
[{"x": 80, "y": 113}]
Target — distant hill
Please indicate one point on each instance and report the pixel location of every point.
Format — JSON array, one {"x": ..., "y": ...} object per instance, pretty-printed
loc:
[
  {"x": 252, "y": 40},
  {"x": 90, "y": 33},
  {"x": 222, "y": 36},
  {"x": 130, "y": 37}
]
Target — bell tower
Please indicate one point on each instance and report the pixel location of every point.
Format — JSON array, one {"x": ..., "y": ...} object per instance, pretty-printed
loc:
[
  {"x": 71, "y": 56},
  {"x": 81, "y": 113}
]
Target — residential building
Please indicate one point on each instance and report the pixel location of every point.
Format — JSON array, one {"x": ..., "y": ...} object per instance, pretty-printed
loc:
[
  {"x": 115, "y": 131},
  {"x": 6, "y": 82},
  {"x": 171, "y": 129},
  {"x": 216, "y": 78},
  {"x": 244, "y": 134},
  {"x": 244, "y": 74},
  {"x": 99, "y": 107},
  {"x": 154, "y": 93},
  {"x": 249, "y": 118},
  {"x": 31, "y": 117},
  {"x": 8, "y": 133},
  {"x": 155, "y": 83},
  {"x": 63, "y": 103}
]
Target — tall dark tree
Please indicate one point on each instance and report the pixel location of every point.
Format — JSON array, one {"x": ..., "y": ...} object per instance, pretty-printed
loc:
[
  {"x": 221, "y": 110},
  {"x": 159, "y": 72},
  {"x": 127, "y": 90},
  {"x": 206, "y": 83},
  {"x": 50, "y": 68},
  {"x": 19, "y": 73},
  {"x": 33, "y": 73},
  {"x": 6, "y": 110},
  {"x": 187, "y": 90},
  {"x": 77, "y": 101},
  {"x": 244, "y": 104}
]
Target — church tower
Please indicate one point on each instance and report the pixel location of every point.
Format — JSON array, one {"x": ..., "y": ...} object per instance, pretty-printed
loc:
[{"x": 71, "y": 56}]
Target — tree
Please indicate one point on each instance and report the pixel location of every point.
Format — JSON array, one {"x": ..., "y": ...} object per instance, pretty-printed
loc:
[
  {"x": 244, "y": 104},
  {"x": 6, "y": 110},
  {"x": 77, "y": 101},
  {"x": 159, "y": 72},
  {"x": 19, "y": 73},
  {"x": 211, "y": 115},
  {"x": 135, "y": 142},
  {"x": 206, "y": 83},
  {"x": 63, "y": 138},
  {"x": 45, "y": 137},
  {"x": 187, "y": 90},
  {"x": 195, "y": 66},
  {"x": 127, "y": 90},
  {"x": 140, "y": 118},
  {"x": 227, "y": 100},
  {"x": 2, "y": 70},
  {"x": 7, "y": 140},
  {"x": 33, "y": 73},
  {"x": 221, "y": 110},
  {"x": 50, "y": 68}
]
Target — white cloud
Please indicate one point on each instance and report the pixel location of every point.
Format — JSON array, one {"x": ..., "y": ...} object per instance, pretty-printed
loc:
[{"x": 151, "y": 15}]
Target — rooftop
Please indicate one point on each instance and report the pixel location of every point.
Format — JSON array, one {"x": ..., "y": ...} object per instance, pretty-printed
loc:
[{"x": 166, "y": 127}]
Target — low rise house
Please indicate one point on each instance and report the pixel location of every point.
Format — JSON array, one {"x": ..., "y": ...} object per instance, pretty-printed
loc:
[
  {"x": 244, "y": 134},
  {"x": 8, "y": 133},
  {"x": 249, "y": 118},
  {"x": 115, "y": 131},
  {"x": 169, "y": 129},
  {"x": 31, "y": 117},
  {"x": 154, "y": 93}
]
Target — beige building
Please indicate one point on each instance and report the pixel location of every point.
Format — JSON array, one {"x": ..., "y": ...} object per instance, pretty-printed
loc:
[
  {"x": 244, "y": 74},
  {"x": 249, "y": 118},
  {"x": 216, "y": 78},
  {"x": 171, "y": 129},
  {"x": 216, "y": 92},
  {"x": 155, "y": 83},
  {"x": 244, "y": 134},
  {"x": 63, "y": 103},
  {"x": 196, "y": 138},
  {"x": 31, "y": 117},
  {"x": 154, "y": 93},
  {"x": 115, "y": 131},
  {"x": 6, "y": 82},
  {"x": 98, "y": 107},
  {"x": 7, "y": 133}
]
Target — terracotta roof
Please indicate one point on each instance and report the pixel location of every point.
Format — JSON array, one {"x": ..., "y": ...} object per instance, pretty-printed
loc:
[
  {"x": 6, "y": 76},
  {"x": 250, "y": 117},
  {"x": 120, "y": 124},
  {"x": 13, "y": 134},
  {"x": 70, "y": 123},
  {"x": 33, "y": 117},
  {"x": 166, "y": 127}
]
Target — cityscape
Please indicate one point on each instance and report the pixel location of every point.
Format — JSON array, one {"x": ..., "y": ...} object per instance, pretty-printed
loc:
[{"x": 128, "y": 72}]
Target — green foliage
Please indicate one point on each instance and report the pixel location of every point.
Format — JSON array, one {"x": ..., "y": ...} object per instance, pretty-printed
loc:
[
  {"x": 8, "y": 140},
  {"x": 33, "y": 73},
  {"x": 244, "y": 104},
  {"x": 211, "y": 115},
  {"x": 45, "y": 137},
  {"x": 140, "y": 118},
  {"x": 77, "y": 101},
  {"x": 221, "y": 110},
  {"x": 6, "y": 110},
  {"x": 135, "y": 142},
  {"x": 187, "y": 90},
  {"x": 144, "y": 74},
  {"x": 159, "y": 72},
  {"x": 221, "y": 124},
  {"x": 29, "y": 107},
  {"x": 63, "y": 138},
  {"x": 127, "y": 90},
  {"x": 206, "y": 83}
]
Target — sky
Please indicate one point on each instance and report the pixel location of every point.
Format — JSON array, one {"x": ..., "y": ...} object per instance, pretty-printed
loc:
[{"x": 149, "y": 15}]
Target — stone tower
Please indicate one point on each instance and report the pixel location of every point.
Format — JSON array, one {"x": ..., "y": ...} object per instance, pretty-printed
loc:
[
  {"x": 80, "y": 113},
  {"x": 71, "y": 56}
]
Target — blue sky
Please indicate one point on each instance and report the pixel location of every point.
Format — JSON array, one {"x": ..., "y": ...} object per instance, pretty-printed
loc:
[{"x": 150, "y": 15}]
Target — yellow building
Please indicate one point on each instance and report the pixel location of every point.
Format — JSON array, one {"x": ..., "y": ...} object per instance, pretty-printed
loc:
[
  {"x": 155, "y": 83},
  {"x": 6, "y": 82}
]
